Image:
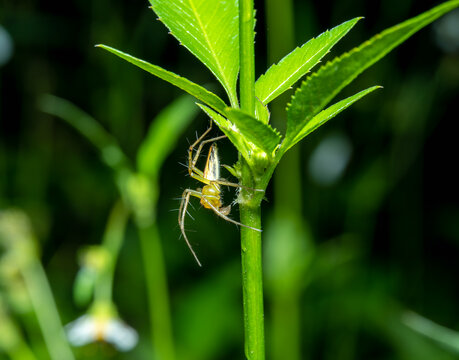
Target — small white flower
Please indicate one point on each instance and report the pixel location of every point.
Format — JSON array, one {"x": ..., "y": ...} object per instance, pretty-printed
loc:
[{"x": 102, "y": 325}]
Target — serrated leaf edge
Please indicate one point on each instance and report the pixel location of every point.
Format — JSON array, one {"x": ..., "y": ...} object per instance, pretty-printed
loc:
[
  {"x": 372, "y": 40},
  {"x": 267, "y": 99}
]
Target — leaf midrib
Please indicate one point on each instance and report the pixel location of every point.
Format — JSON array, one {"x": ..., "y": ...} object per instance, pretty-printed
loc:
[
  {"x": 280, "y": 85},
  {"x": 204, "y": 32},
  {"x": 294, "y": 73}
]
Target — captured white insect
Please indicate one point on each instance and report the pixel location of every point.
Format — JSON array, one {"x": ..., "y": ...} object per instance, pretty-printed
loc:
[{"x": 210, "y": 194}]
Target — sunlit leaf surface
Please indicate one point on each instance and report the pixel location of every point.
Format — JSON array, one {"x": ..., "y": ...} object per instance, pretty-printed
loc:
[
  {"x": 292, "y": 67},
  {"x": 322, "y": 117},
  {"x": 262, "y": 135},
  {"x": 210, "y": 30}
]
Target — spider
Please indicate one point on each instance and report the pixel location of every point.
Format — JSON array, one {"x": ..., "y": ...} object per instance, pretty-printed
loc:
[{"x": 210, "y": 194}]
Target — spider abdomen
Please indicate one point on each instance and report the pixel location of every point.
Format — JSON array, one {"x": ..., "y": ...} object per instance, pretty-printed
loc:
[{"x": 211, "y": 196}]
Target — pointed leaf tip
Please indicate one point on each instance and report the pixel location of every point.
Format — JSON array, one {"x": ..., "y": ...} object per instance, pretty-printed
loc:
[
  {"x": 332, "y": 77},
  {"x": 303, "y": 120},
  {"x": 190, "y": 87},
  {"x": 322, "y": 86},
  {"x": 281, "y": 76}
]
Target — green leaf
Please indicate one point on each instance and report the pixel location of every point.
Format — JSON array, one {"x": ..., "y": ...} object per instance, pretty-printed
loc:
[
  {"x": 262, "y": 135},
  {"x": 321, "y": 87},
  {"x": 230, "y": 131},
  {"x": 190, "y": 87},
  {"x": 262, "y": 112},
  {"x": 209, "y": 30},
  {"x": 163, "y": 133},
  {"x": 281, "y": 76},
  {"x": 309, "y": 125},
  {"x": 255, "y": 140}
]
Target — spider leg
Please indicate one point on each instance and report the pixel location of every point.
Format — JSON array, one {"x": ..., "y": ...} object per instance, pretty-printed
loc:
[
  {"x": 201, "y": 145},
  {"x": 229, "y": 183},
  {"x": 192, "y": 160},
  {"x": 202, "y": 179},
  {"x": 219, "y": 213},
  {"x": 181, "y": 220}
]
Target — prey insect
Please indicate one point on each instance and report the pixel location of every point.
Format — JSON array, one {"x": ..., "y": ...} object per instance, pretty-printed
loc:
[{"x": 210, "y": 194}]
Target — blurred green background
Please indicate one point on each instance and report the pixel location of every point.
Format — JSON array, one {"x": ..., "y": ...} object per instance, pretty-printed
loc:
[{"x": 378, "y": 232}]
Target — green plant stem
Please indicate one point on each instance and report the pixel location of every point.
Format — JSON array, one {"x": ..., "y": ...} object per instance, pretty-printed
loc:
[
  {"x": 250, "y": 211},
  {"x": 247, "y": 56},
  {"x": 252, "y": 283},
  {"x": 158, "y": 294},
  {"x": 112, "y": 242},
  {"x": 46, "y": 311}
]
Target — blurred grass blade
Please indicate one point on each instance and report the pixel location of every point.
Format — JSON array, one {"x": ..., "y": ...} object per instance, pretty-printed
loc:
[
  {"x": 322, "y": 86},
  {"x": 111, "y": 152},
  {"x": 163, "y": 133},
  {"x": 210, "y": 31},
  {"x": 281, "y": 76},
  {"x": 260, "y": 134},
  {"x": 440, "y": 334},
  {"x": 12, "y": 341},
  {"x": 297, "y": 115},
  {"x": 190, "y": 87},
  {"x": 19, "y": 242}
]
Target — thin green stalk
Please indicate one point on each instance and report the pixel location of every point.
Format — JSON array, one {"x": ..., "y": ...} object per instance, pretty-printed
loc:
[
  {"x": 250, "y": 211},
  {"x": 112, "y": 242},
  {"x": 252, "y": 283},
  {"x": 158, "y": 294},
  {"x": 285, "y": 308},
  {"x": 141, "y": 196},
  {"x": 280, "y": 36},
  {"x": 46, "y": 311},
  {"x": 247, "y": 56}
]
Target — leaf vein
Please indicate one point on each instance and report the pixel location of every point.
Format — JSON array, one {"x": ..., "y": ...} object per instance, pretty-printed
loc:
[{"x": 210, "y": 45}]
